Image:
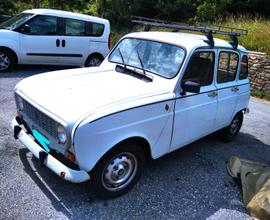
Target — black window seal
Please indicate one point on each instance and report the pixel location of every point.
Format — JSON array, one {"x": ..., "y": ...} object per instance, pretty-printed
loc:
[
  {"x": 230, "y": 52},
  {"x": 241, "y": 66},
  {"x": 213, "y": 64}
]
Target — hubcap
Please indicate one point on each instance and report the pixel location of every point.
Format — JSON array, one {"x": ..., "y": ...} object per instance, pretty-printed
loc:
[
  {"x": 234, "y": 126},
  {"x": 119, "y": 172},
  {"x": 4, "y": 61},
  {"x": 94, "y": 62}
]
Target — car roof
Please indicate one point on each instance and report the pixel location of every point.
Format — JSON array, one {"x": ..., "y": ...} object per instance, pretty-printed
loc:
[
  {"x": 66, "y": 14},
  {"x": 189, "y": 41}
]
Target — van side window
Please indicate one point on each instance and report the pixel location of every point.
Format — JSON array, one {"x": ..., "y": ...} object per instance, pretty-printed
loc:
[
  {"x": 43, "y": 25},
  {"x": 95, "y": 29},
  {"x": 244, "y": 68},
  {"x": 227, "y": 67},
  {"x": 200, "y": 68},
  {"x": 75, "y": 27},
  {"x": 82, "y": 28}
]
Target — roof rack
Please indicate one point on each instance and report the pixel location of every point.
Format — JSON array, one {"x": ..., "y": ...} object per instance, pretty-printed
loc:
[{"x": 204, "y": 28}]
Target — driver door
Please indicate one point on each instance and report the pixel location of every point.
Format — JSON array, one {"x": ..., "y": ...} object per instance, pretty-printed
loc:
[
  {"x": 42, "y": 44},
  {"x": 195, "y": 113}
]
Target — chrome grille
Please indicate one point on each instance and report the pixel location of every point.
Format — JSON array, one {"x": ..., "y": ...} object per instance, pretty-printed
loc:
[{"x": 40, "y": 119}]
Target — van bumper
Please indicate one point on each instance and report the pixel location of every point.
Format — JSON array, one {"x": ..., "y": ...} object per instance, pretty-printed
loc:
[{"x": 71, "y": 175}]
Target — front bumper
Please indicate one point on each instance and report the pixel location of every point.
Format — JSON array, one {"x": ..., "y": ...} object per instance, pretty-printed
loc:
[{"x": 71, "y": 175}]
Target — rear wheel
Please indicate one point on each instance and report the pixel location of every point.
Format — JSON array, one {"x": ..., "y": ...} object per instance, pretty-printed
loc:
[
  {"x": 93, "y": 60},
  {"x": 7, "y": 60},
  {"x": 230, "y": 132},
  {"x": 118, "y": 171}
]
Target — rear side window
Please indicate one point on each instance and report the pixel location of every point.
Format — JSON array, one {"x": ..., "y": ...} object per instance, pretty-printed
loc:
[
  {"x": 75, "y": 27},
  {"x": 200, "y": 68},
  {"x": 43, "y": 25},
  {"x": 96, "y": 29},
  {"x": 227, "y": 67},
  {"x": 244, "y": 68}
]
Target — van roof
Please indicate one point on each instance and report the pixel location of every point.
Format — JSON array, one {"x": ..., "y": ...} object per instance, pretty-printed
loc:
[
  {"x": 189, "y": 41},
  {"x": 66, "y": 14}
]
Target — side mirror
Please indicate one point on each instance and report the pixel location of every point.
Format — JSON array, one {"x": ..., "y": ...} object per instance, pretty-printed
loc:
[
  {"x": 25, "y": 29},
  {"x": 189, "y": 86}
]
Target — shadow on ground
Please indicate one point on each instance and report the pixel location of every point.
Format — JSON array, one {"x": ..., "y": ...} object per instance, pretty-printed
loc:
[
  {"x": 191, "y": 183},
  {"x": 29, "y": 70}
]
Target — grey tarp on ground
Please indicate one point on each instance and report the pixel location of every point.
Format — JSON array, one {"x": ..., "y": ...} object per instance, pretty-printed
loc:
[{"x": 255, "y": 181}]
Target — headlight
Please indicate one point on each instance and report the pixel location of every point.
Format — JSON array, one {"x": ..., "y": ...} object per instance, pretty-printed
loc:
[
  {"x": 20, "y": 103},
  {"x": 61, "y": 134}
]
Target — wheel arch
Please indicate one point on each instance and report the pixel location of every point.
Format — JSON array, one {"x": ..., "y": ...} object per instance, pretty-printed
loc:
[
  {"x": 95, "y": 54},
  {"x": 11, "y": 51},
  {"x": 142, "y": 142},
  {"x": 145, "y": 145}
]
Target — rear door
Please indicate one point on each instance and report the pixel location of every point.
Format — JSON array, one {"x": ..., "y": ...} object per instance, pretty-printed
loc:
[
  {"x": 227, "y": 85},
  {"x": 42, "y": 44},
  {"x": 195, "y": 113}
]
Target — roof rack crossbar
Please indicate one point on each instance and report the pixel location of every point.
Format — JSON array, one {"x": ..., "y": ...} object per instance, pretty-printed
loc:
[{"x": 204, "y": 28}]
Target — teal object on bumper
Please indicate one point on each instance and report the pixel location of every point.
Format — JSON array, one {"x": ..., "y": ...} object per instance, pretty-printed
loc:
[{"x": 42, "y": 140}]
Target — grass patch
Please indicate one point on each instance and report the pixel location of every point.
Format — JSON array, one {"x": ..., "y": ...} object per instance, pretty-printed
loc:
[
  {"x": 258, "y": 37},
  {"x": 261, "y": 94}
]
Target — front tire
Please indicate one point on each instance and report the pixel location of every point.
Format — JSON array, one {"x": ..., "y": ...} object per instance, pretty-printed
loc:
[
  {"x": 118, "y": 171},
  {"x": 230, "y": 132},
  {"x": 7, "y": 60}
]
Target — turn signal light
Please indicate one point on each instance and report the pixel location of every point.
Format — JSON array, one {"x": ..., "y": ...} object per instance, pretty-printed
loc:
[{"x": 71, "y": 156}]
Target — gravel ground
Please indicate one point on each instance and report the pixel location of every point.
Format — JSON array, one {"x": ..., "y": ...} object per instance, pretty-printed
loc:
[{"x": 191, "y": 183}]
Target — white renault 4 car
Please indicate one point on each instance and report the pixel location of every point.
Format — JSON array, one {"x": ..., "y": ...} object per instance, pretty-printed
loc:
[
  {"x": 155, "y": 93},
  {"x": 53, "y": 37}
]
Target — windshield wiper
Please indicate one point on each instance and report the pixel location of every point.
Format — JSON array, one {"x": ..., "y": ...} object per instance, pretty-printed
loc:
[
  {"x": 140, "y": 61},
  {"x": 122, "y": 58},
  {"x": 133, "y": 73}
]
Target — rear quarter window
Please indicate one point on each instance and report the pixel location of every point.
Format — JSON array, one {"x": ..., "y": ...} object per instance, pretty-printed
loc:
[
  {"x": 244, "y": 68},
  {"x": 95, "y": 29}
]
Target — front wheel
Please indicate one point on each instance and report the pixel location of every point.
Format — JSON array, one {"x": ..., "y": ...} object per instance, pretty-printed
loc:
[
  {"x": 230, "y": 132},
  {"x": 7, "y": 60},
  {"x": 118, "y": 171}
]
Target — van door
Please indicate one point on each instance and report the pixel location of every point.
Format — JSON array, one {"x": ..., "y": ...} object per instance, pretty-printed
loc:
[
  {"x": 41, "y": 45},
  {"x": 80, "y": 39},
  {"x": 195, "y": 113},
  {"x": 227, "y": 86}
]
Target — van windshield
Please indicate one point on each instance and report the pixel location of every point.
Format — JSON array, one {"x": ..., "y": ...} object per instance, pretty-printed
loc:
[{"x": 15, "y": 21}]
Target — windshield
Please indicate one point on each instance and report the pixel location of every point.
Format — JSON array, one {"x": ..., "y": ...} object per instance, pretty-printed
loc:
[
  {"x": 15, "y": 21},
  {"x": 159, "y": 58}
]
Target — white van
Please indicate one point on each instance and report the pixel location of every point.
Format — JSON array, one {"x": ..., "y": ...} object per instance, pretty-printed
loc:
[{"x": 53, "y": 37}]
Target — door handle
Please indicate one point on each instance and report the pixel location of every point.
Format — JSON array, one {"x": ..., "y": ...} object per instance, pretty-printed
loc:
[
  {"x": 212, "y": 94},
  {"x": 63, "y": 43},
  {"x": 235, "y": 89},
  {"x": 57, "y": 42}
]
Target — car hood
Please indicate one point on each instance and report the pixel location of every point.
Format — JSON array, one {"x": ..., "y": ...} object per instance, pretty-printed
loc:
[{"x": 76, "y": 93}]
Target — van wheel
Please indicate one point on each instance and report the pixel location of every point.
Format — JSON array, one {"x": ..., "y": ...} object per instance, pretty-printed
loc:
[
  {"x": 7, "y": 60},
  {"x": 118, "y": 171},
  {"x": 93, "y": 60},
  {"x": 230, "y": 132}
]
